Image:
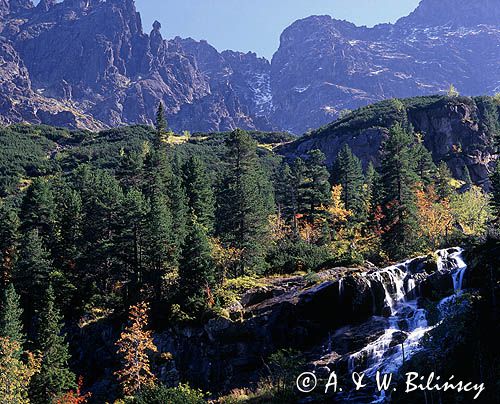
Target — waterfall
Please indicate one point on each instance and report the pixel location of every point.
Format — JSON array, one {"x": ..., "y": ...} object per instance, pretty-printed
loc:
[
  {"x": 453, "y": 261},
  {"x": 407, "y": 323}
]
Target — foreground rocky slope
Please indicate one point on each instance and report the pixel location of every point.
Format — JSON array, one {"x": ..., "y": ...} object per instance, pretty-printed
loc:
[
  {"x": 89, "y": 63},
  {"x": 293, "y": 312}
]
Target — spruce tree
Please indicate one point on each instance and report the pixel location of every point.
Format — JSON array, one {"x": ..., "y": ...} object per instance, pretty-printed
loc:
[
  {"x": 424, "y": 165},
  {"x": 9, "y": 243},
  {"x": 372, "y": 186},
  {"x": 443, "y": 180},
  {"x": 70, "y": 226},
  {"x": 245, "y": 200},
  {"x": 299, "y": 176},
  {"x": 33, "y": 272},
  {"x": 286, "y": 195},
  {"x": 133, "y": 238},
  {"x": 38, "y": 211},
  {"x": 199, "y": 191},
  {"x": 11, "y": 325},
  {"x": 161, "y": 123},
  {"x": 130, "y": 169},
  {"x": 196, "y": 269},
  {"x": 316, "y": 187},
  {"x": 55, "y": 376},
  {"x": 178, "y": 204},
  {"x": 347, "y": 171},
  {"x": 495, "y": 189},
  {"x": 399, "y": 201},
  {"x": 102, "y": 198},
  {"x": 160, "y": 245}
]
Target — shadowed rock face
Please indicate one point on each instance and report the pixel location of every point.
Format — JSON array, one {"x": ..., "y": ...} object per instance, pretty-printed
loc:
[{"x": 93, "y": 59}]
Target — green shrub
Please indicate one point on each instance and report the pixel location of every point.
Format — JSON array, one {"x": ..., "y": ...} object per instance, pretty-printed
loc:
[
  {"x": 183, "y": 394},
  {"x": 291, "y": 256}
]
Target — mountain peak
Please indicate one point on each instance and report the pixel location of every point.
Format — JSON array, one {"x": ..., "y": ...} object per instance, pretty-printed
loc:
[{"x": 456, "y": 12}]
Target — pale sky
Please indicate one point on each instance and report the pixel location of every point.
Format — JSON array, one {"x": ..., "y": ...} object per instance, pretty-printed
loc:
[{"x": 256, "y": 25}]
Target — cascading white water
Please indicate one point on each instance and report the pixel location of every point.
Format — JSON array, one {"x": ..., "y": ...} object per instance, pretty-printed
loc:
[
  {"x": 453, "y": 261},
  {"x": 407, "y": 323}
]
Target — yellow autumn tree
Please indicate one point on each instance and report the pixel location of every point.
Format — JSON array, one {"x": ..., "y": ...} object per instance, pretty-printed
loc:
[
  {"x": 226, "y": 259},
  {"x": 336, "y": 210},
  {"x": 134, "y": 345},
  {"x": 348, "y": 239},
  {"x": 278, "y": 227},
  {"x": 15, "y": 375},
  {"x": 434, "y": 216},
  {"x": 472, "y": 211}
]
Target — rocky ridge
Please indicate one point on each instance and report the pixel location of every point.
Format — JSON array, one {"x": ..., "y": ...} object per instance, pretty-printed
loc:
[{"x": 89, "y": 63}]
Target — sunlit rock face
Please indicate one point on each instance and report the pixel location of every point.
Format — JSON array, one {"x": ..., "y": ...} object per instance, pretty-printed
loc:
[
  {"x": 94, "y": 60},
  {"x": 325, "y": 65}
]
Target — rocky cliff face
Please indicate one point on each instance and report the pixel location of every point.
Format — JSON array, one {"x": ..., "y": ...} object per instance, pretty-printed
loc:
[
  {"x": 325, "y": 65},
  {"x": 89, "y": 63},
  {"x": 94, "y": 56}
]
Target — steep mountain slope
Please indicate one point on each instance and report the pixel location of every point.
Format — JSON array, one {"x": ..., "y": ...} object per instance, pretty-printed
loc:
[
  {"x": 89, "y": 63},
  {"x": 458, "y": 130},
  {"x": 95, "y": 56},
  {"x": 325, "y": 65}
]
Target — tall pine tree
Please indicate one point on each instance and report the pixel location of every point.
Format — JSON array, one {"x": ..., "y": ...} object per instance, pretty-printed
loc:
[
  {"x": 245, "y": 201},
  {"x": 315, "y": 188},
  {"x": 33, "y": 272},
  {"x": 347, "y": 171},
  {"x": 443, "y": 180},
  {"x": 55, "y": 376},
  {"x": 70, "y": 224},
  {"x": 286, "y": 195},
  {"x": 160, "y": 246},
  {"x": 399, "y": 182},
  {"x": 424, "y": 165},
  {"x": 133, "y": 239},
  {"x": 102, "y": 198},
  {"x": 178, "y": 204},
  {"x": 299, "y": 189},
  {"x": 38, "y": 211},
  {"x": 161, "y": 125},
  {"x": 196, "y": 269},
  {"x": 199, "y": 191}
]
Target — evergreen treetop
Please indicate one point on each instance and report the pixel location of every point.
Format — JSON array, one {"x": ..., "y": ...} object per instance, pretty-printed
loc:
[
  {"x": 55, "y": 377},
  {"x": 11, "y": 325}
]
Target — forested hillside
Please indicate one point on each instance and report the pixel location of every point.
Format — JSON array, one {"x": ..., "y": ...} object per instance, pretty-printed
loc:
[{"x": 171, "y": 229}]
